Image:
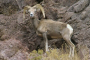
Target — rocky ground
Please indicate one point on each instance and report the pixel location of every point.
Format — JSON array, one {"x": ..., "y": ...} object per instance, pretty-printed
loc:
[{"x": 18, "y": 38}]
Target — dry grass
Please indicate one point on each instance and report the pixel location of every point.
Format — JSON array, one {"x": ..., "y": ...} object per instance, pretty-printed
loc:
[{"x": 54, "y": 54}]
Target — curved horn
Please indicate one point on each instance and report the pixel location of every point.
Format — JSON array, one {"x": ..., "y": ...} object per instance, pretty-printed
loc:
[
  {"x": 24, "y": 11},
  {"x": 41, "y": 8}
]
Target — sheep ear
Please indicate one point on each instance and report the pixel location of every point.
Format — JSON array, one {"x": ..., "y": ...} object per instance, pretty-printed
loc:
[
  {"x": 24, "y": 11},
  {"x": 39, "y": 7}
]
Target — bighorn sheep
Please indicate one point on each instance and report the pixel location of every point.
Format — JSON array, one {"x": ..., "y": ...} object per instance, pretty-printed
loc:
[{"x": 48, "y": 27}]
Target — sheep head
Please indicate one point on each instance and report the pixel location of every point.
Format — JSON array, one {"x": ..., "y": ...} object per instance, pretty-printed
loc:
[{"x": 33, "y": 9}]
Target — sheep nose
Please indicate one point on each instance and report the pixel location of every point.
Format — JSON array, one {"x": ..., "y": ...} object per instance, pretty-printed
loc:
[{"x": 31, "y": 15}]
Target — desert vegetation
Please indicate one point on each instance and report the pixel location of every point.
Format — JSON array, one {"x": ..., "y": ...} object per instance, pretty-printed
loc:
[{"x": 53, "y": 54}]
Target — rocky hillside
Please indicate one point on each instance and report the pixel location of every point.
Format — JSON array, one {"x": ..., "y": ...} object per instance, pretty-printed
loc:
[{"x": 18, "y": 37}]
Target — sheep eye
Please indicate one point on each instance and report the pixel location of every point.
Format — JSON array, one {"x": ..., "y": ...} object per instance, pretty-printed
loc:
[
  {"x": 28, "y": 11},
  {"x": 35, "y": 9}
]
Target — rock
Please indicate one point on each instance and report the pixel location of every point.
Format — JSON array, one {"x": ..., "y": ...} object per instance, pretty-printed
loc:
[
  {"x": 60, "y": 2},
  {"x": 68, "y": 15},
  {"x": 56, "y": 8},
  {"x": 61, "y": 12},
  {"x": 8, "y": 7},
  {"x": 79, "y": 6},
  {"x": 20, "y": 55},
  {"x": 83, "y": 51},
  {"x": 83, "y": 15},
  {"x": 88, "y": 10},
  {"x": 11, "y": 47},
  {"x": 30, "y": 2},
  {"x": 82, "y": 4}
]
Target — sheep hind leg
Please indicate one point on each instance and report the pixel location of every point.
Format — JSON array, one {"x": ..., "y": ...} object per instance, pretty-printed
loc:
[
  {"x": 46, "y": 41},
  {"x": 73, "y": 50},
  {"x": 72, "y": 46},
  {"x": 70, "y": 51}
]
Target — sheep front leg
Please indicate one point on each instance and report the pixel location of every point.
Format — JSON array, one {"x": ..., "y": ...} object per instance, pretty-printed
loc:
[{"x": 46, "y": 41}]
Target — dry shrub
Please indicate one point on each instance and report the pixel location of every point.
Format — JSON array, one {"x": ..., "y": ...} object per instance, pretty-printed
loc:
[{"x": 54, "y": 54}]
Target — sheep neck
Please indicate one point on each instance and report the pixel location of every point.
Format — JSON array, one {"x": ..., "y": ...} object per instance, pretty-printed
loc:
[{"x": 35, "y": 22}]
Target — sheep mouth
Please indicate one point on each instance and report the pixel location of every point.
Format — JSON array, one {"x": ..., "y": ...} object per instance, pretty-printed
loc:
[{"x": 31, "y": 16}]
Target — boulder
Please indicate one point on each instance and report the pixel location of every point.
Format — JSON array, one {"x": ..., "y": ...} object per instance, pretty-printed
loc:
[
  {"x": 79, "y": 6},
  {"x": 12, "y": 49}
]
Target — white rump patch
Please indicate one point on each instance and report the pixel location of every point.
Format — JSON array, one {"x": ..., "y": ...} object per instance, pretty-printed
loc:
[{"x": 70, "y": 28}]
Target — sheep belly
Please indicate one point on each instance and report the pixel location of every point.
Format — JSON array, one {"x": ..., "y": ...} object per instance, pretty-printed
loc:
[{"x": 54, "y": 33}]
